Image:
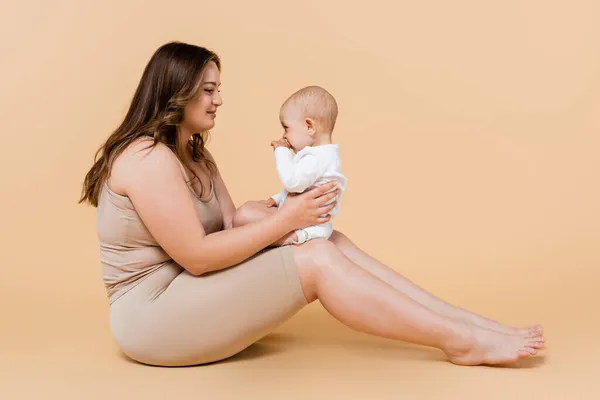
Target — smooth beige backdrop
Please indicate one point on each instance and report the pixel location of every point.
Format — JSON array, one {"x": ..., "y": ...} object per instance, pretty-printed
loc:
[{"x": 470, "y": 134}]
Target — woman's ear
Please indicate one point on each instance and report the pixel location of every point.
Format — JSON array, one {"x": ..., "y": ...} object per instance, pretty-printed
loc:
[{"x": 310, "y": 126}]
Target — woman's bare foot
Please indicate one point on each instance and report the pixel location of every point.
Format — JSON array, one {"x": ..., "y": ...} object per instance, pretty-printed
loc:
[
  {"x": 509, "y": 330},
  {"x": 477, "y": 346},
  {"x": 490, "y": 324}
]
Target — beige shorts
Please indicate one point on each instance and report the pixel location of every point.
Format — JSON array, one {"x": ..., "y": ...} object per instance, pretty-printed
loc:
[{"x": 173, "y": 318}]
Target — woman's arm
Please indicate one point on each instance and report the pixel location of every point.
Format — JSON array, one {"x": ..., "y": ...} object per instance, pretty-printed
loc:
[
  {"x": 152, "y": 180},
  {"x": 225, "y": 201}
]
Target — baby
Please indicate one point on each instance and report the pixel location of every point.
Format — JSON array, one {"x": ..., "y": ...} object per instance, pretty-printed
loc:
[{"x": 308, "y": 117}]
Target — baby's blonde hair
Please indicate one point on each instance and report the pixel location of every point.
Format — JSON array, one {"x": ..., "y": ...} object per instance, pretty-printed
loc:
[{"x": 316, "y": 103}]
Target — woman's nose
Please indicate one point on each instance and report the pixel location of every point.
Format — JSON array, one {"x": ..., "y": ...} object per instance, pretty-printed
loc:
[{"x": 218, "y": 100}]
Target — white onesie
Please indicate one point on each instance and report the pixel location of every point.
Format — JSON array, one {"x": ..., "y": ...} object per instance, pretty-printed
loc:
[{"x": 310, "y": 167}]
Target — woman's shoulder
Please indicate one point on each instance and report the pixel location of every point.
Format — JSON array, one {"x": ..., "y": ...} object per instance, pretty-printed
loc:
[
  {"x": 145, "y": 149},
  {"x": 141, "y": 159}
]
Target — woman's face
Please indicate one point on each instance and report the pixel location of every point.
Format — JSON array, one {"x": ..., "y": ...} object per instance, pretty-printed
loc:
[{"x": 199, "y": 115}]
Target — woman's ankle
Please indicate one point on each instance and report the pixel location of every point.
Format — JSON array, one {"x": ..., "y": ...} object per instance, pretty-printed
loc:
[{"x": 459, "y": 340}]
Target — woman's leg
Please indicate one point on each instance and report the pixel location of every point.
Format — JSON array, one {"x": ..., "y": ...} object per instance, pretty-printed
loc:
[
  {"x": 393, "y": 278},
  {"x": 253, "y": 211},
  {"x": 367, "y": 304}
]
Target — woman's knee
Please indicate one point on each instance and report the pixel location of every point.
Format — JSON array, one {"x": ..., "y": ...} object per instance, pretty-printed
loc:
[
  {"x": 240, "y": 215},
  {"x": 313, "y": 258},
  {"x": 318, "y": 251},
  {"x": 246, "y": 213},
  {"x": 338, "y": 237}
]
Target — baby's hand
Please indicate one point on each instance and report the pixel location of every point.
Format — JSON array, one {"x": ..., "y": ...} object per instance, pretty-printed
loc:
[
  {"x": 271, "y": 202},
  {"x": 280, "y": 143}
]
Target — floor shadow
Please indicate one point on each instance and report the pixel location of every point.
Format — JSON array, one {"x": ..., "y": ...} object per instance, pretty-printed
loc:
[
  {"x": 255, "y": 351},
  {"x": 282, "y": 339},
  {"x": 373, "y": 348},
  {"x": 271, "y": 344},
  {"x": 125, "y": 358},
  {"x": 525, "y": 363},
  {"x": 378, "y": 348}
]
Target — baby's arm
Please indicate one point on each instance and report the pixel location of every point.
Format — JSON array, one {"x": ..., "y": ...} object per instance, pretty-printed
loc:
[{"x": 296, "y": 175}]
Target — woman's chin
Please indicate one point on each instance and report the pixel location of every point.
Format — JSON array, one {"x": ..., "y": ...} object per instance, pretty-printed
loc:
[{"x": 209, "y": 125}]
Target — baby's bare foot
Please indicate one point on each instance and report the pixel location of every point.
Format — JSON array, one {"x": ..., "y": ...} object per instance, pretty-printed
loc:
[
  {"x": 288, "y": 239},
  {"x": 476, "y": 345}
]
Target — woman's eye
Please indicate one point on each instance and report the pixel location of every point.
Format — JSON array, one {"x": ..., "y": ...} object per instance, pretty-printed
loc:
[{"x": 209, "y": 90}]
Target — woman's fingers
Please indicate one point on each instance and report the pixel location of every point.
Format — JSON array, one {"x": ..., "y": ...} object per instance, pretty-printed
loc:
[
  {"x": 322, "y": 220},
  {"x": 327, "y": 197},
  {"x": 323, "y": 197},
  {"x": 319, "y": 191},
  {"x": 328, "y": 186},
  {"x": 324, "y": 209},
  {"x": 323, "y": 215}
]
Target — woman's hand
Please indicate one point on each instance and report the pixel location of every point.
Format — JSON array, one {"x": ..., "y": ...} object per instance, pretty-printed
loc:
[{"x": 306, "y": 209}]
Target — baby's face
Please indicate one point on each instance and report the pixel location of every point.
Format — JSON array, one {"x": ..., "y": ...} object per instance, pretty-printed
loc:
[{"x": 295, "y": 128}]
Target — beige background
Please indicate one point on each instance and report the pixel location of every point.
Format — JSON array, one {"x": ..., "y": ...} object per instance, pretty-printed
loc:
[{"x": 469, "y": 134}]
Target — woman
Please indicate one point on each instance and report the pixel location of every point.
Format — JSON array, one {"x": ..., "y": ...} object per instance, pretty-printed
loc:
[{"x": 192, "y": 280}]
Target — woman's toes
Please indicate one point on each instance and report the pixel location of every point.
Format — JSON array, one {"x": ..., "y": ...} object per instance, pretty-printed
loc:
[
  {"x": 537, "y": 329},
  {"x": 524, "y": 353},
  {"x": 537, "y": 344}
]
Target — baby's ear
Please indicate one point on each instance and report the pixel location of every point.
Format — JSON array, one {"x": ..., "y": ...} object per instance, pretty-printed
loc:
[{"x": 310, "y": 125}]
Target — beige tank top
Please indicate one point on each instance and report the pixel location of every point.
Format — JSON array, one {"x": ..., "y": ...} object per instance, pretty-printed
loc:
[{"x": 128, "y": 252}]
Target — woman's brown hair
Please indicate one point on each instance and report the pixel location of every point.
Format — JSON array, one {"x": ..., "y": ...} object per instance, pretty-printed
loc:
[{"x": 169, "y": 82}]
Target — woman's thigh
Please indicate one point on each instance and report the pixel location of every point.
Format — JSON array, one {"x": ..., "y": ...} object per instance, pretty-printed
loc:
[
  {"x": 252, "y": 211},
  {"x": 189, "y": 320}
]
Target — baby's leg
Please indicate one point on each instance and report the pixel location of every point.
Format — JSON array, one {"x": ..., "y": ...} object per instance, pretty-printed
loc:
[{"x": 322, "y": 231}]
